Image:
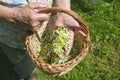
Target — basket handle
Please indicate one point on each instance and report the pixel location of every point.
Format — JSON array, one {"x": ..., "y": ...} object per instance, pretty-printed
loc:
[{"x": 69, "y": 12}]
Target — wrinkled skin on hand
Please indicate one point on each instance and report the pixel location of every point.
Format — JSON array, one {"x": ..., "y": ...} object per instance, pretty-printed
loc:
[
  {"x": 72, "y": 24},
  {"x": 28, "y": 16}
]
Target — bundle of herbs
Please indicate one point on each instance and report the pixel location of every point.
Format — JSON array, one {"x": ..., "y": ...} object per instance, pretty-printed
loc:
[{"x": 53, "y": 46}]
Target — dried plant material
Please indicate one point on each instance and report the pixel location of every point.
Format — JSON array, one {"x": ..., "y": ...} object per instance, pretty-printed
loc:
[{"x": 53, "y": 46}]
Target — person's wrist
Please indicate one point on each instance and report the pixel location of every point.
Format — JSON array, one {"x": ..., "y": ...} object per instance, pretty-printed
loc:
[
  {"x": 64, "y": 4},
  {"x": 62, "y": 15},
  {"x": 16, "y": 15},
  {"x": 10, "y": 15}
]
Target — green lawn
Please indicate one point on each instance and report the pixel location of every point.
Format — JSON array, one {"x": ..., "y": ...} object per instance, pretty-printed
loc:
[{"x": 103, "y": 59}]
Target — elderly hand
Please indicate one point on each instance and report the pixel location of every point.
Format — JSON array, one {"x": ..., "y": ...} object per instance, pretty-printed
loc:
[
  {"x": 29, "y": 16},
  {"x": 72, "y": 24}
]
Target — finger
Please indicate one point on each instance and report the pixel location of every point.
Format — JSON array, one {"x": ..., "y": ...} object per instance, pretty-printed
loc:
[
  {"x": 81, "y": 33},
  {"x": 36, "y": 5},
  {"x": 70, "y": 43},
  {"x": 78, "y": 29},
  {"x": 41, "y": 17}
]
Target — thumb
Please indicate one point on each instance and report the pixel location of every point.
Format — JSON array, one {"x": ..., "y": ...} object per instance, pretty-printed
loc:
[{"x": 80, "y": 31}]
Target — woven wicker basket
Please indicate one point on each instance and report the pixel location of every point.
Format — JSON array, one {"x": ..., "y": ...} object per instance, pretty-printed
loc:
[{"x": 82, "y": 44}]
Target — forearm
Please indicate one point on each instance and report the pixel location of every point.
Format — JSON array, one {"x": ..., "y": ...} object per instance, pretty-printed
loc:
[
  {"x": 7, "y": 13},
  {"x": 63, "y": 4}
]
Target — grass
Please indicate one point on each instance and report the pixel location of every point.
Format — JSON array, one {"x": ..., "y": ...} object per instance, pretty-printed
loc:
[{"x": 103, "y": 59}]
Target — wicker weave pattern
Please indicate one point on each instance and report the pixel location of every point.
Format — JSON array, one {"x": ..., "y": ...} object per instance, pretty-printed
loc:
[{"x": 32, "y": 41}]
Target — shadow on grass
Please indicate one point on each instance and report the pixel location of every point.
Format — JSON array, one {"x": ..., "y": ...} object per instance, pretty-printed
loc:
[{"x": 6, "y": 68}]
